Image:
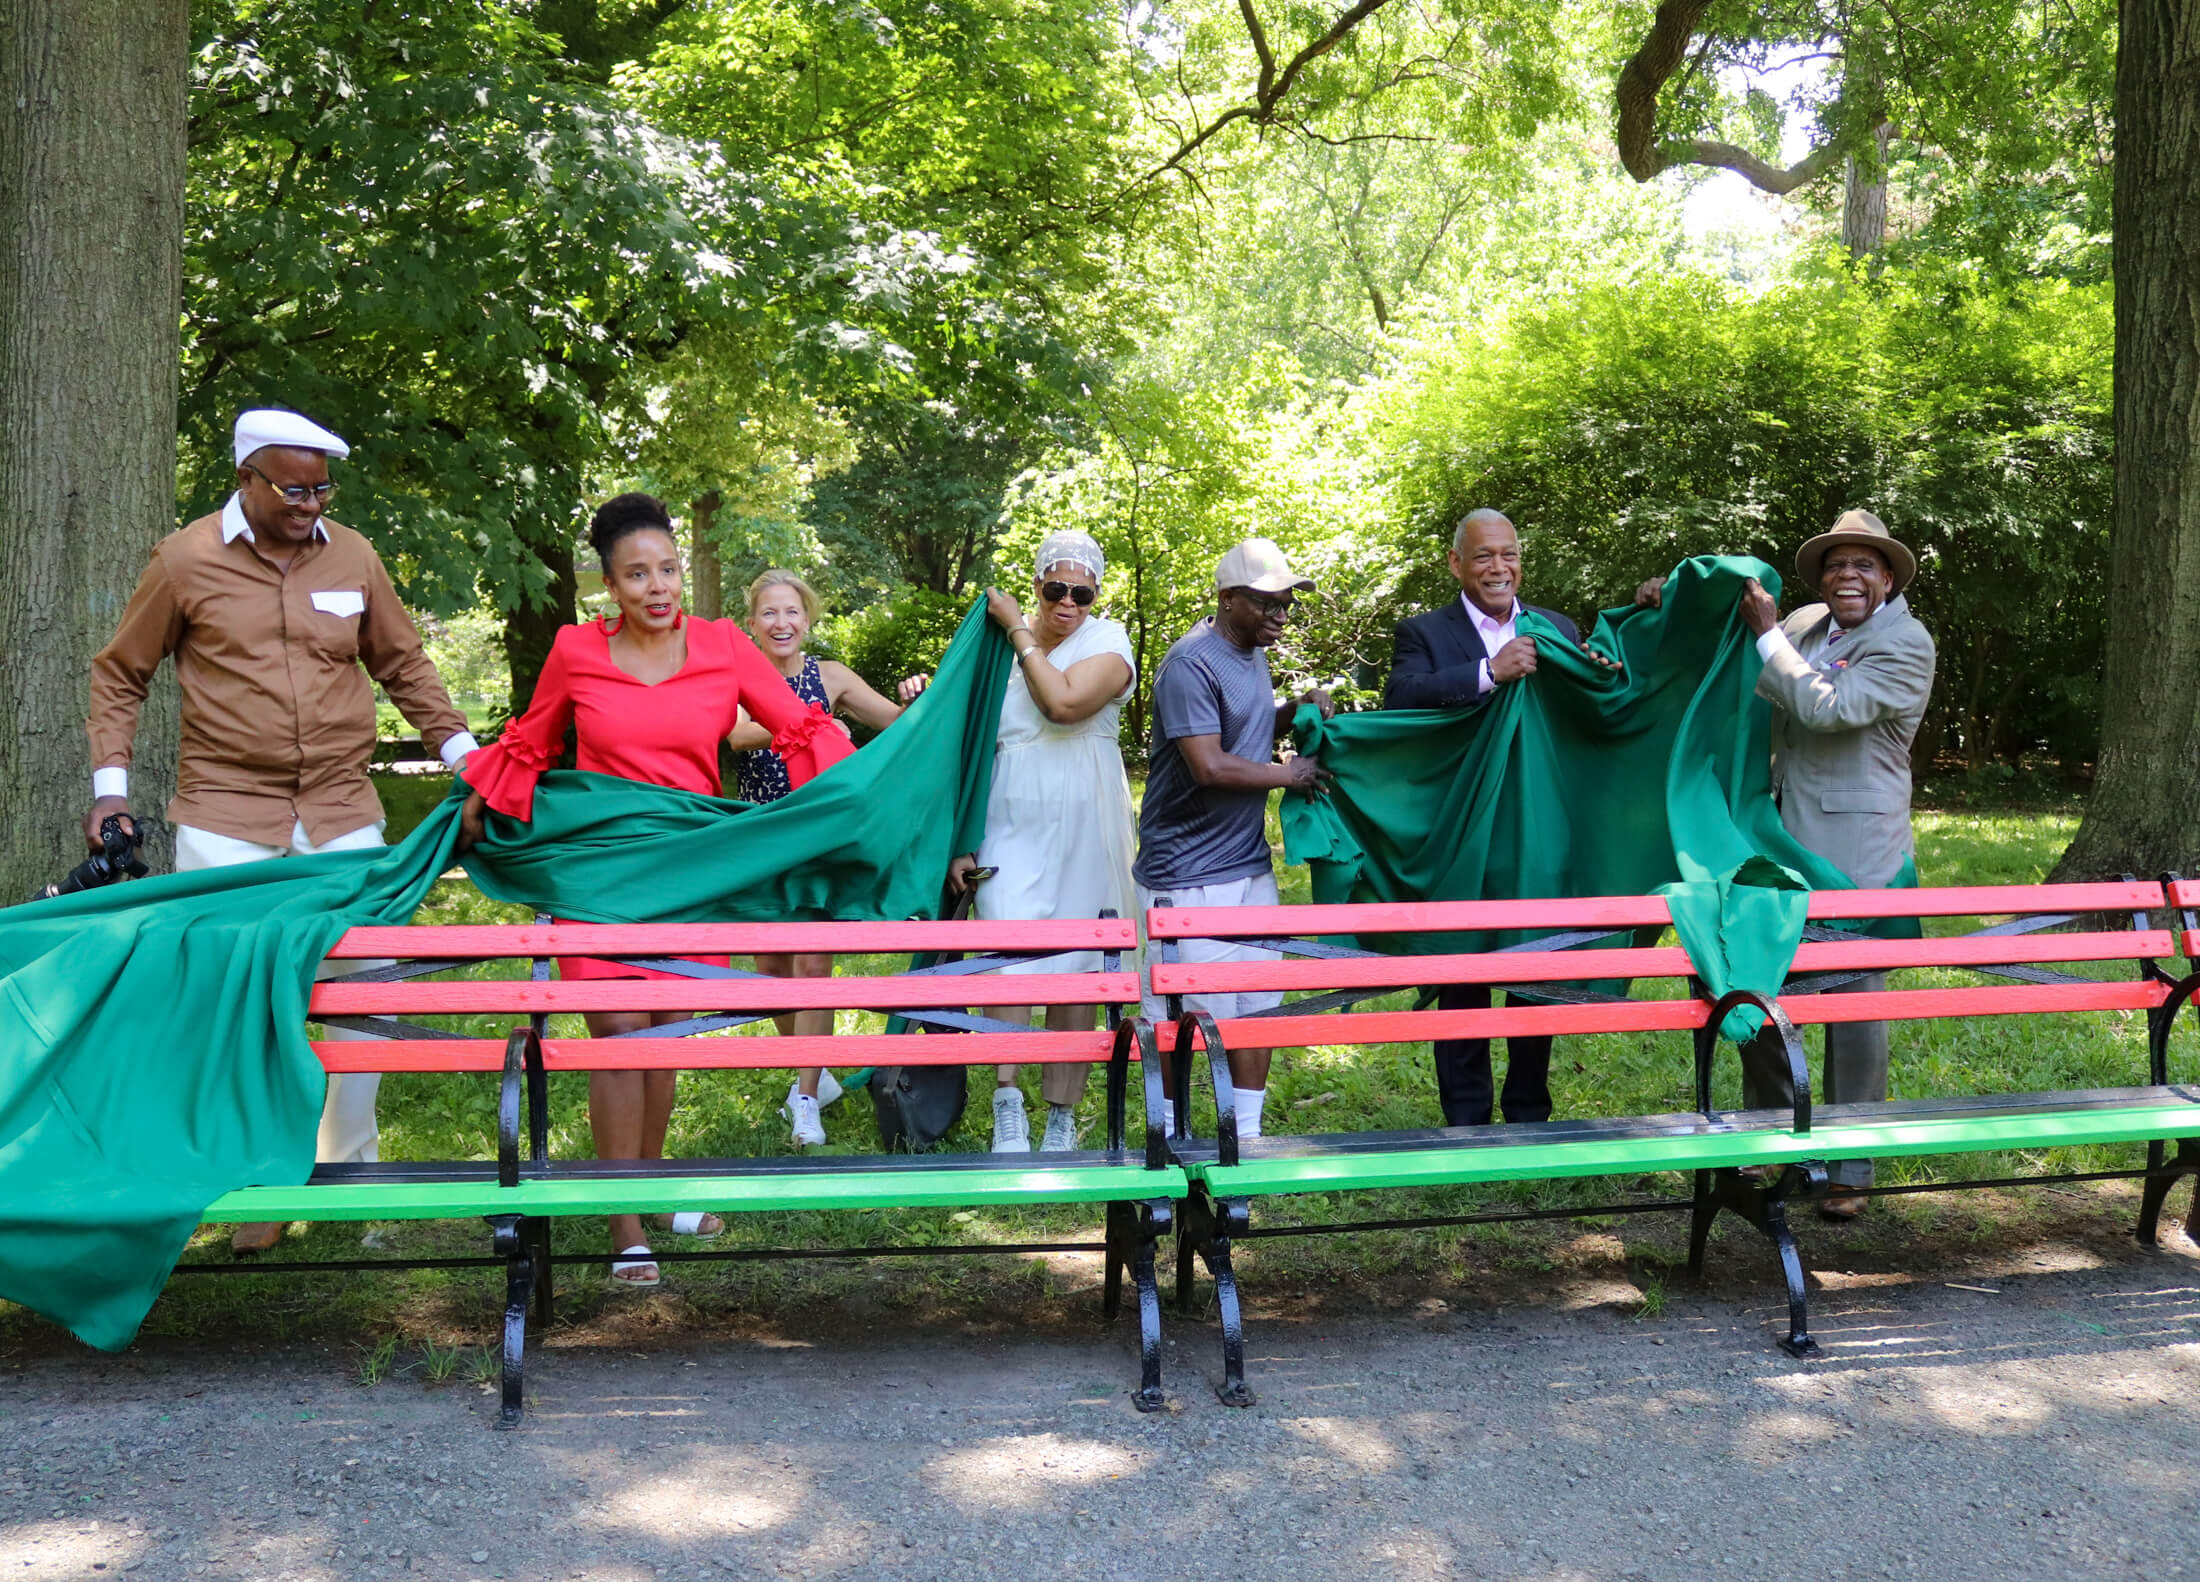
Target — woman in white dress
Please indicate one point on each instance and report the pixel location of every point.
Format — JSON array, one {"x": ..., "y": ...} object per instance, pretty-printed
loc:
[{"x": 1058, "y": 825}]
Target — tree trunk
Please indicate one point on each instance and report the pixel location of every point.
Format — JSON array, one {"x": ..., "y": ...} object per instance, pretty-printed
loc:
[
  {"x": 2144, "y": 813},
  {"x": 531, "y": 629},
  {"x": 1864, "y": 201},
  {"x": 707, "y": 597},
  {"x": 91, "y": 287}
]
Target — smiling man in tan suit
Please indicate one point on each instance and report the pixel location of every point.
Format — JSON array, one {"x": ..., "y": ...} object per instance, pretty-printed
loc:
[{"x": 1848, "y": 679}]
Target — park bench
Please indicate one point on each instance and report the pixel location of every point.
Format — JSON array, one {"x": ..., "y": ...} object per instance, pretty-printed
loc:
[
  {"x": 522, "y": 1193},
  {"x": 1752, "y": 1163}
]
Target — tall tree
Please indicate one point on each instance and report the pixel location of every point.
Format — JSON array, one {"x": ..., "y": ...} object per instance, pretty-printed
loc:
[
  {"x": 2144, "y": 813},
  {"x": 91, "y": 204}
]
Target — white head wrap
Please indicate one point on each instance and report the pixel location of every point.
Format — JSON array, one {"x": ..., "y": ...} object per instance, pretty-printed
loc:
[
  {"x": 270, "y": 426},
  {"x": 1070, "y": 549}
]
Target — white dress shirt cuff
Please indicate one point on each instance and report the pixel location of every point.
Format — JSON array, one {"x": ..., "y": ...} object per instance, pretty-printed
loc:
[
  {"x": 1771, "y": 643},
  {"x": 1482, "y": 681},
  {"x": 111, "y": 781},
  {"x": 458, "y": 747}
]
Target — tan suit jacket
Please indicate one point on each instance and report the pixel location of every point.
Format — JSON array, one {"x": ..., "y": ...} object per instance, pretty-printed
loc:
[{"x": 1842, "y": 723}]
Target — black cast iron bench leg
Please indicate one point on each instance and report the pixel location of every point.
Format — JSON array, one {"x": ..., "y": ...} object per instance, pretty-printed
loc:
[
  {"x": 1206, "y": 1231},
  {"x": 1122, "y": 1229},
  {"x": 536, "y": 1228},
  {"x": 2168, "y": 1172},
  {"x": 514, "y": 1243},
  {"x": 1156, "y": 1218},
  {"x": 1764, "y": 1205}
]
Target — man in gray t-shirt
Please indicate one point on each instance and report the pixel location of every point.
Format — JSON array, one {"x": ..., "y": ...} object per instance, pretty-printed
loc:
[{"x": 1202, "y": 836}]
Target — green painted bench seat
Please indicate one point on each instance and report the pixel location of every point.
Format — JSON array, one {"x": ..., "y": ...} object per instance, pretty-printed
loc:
[
  {"x": 1349, "y": 1162},
  {"x": 936, "y": 1183}
]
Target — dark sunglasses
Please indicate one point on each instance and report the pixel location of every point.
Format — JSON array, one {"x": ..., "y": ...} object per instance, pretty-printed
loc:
[{"x": 1078, "y": 594}]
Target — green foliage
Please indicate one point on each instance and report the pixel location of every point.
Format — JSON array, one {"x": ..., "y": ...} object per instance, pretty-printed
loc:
[
  {"x": 898, "y": 636},
  {"x": 1630, "y": 426},
  {"x": 414, "y": 250}
]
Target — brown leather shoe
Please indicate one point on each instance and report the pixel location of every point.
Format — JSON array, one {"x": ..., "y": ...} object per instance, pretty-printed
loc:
[
  {"x": 1842, "y": 1204},
  {"x": 256, "y": 1238}
]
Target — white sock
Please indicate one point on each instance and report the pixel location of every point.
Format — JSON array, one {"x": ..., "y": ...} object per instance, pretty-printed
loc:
[
  {"x": 1168, "y": 1117},
  {"x": 1249, "y": 1102}
]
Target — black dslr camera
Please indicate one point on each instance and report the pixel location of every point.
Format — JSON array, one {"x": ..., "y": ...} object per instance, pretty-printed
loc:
[{"x": 117, "y": 858}]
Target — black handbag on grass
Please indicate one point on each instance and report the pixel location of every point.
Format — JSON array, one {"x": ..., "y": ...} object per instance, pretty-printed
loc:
[{"x": 916, "y": 1106}]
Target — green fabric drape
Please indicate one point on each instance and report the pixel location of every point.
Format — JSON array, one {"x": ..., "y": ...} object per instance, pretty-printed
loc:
[
  {"x": 1583, "y": 781},
  {"x": 153, "y": 1051}
]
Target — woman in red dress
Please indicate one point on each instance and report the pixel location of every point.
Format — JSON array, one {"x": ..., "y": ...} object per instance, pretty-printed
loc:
[{"x": 650, "y": 693}]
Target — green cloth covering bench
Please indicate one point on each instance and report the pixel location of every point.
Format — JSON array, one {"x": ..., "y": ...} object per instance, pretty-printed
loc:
[
  {"x": 1751, "y": 1162},
  {"x": 153, "y": 1050},
  {"x": 520, "y": 1196}
]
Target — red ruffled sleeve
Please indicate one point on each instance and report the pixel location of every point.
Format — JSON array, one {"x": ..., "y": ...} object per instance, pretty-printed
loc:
[
  {"x": 803, "y": 735},
  {"x": 810, "y": 745},
  {"x": 505, "y": 771}
]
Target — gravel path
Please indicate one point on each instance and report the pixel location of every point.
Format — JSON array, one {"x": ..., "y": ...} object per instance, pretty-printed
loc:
[{"x": 2043, "y": 1425}]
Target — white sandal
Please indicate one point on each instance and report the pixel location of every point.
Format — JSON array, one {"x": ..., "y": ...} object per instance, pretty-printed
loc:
[
  {"x": 628, "y": 1261},
  {"x": 690, "y": 1223}
]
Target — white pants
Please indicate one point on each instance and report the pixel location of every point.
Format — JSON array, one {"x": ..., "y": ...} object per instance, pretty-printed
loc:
[
  {"x": 1257, "y": 890},
  {"x": 348, "y": 1131}
]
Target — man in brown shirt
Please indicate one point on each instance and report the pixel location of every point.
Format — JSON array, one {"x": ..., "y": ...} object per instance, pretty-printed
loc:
[{"x": 270, "y": 610}]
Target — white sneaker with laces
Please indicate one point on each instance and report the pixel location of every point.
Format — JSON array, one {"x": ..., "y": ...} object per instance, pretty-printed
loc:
[
  {"x": 828, "y": 1092},
  {"x": 1061, "y": 1134},
  {"x": 809, "y": 1130},
  {"x": 1011, "y": 1132}
]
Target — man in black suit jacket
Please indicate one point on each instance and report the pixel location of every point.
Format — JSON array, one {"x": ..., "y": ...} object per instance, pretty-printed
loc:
[{"x": 1456, "y": 657}]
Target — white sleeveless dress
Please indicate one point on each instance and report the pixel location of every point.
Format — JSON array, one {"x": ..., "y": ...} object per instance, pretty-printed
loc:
[{"x": 1058, "y": 825}]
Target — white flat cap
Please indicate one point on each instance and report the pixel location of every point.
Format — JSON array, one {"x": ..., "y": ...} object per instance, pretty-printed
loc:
[{"x": 271, "y": 426}]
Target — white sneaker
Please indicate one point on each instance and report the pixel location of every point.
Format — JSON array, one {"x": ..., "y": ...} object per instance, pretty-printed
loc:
[
  {"x": 809, "y": 1131},
  {"x": 1011, "y": 1132},
  {"x": 1061, "y": 1136},
  {"x": 828, "y": 1092}
]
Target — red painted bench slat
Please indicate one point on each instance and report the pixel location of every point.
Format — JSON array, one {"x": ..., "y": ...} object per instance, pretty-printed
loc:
[
  {"x": 764, "y": 1053},
  {"x": 903, "y": 992},
  {"x": 497, "y": 941},
  {"x": 1436, "y": 917},
  {"x": 1558, "y": 966},
  {"x": 1522, "y": 1021},
  {"x": 2184, "y": 892}
]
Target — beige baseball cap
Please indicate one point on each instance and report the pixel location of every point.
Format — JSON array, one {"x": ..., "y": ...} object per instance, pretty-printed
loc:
[{"x": 1258, "y": 564}]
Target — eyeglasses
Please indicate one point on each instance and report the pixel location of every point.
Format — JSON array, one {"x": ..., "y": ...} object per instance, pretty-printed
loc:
[
  {"x": 296, "y": 493},
  {"x": 1265, "y": 605},
  {"x": 1077, "y": 593}
]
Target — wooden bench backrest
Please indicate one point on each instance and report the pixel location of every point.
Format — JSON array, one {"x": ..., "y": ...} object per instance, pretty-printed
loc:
[
  {"x": 522, "y": 995},
  {"x": 2184, "y": 895},
  {"x": 1528, "y": 966}
]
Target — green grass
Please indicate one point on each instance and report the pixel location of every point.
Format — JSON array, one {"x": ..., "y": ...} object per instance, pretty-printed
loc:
[{"x": 735, "y": 1114}]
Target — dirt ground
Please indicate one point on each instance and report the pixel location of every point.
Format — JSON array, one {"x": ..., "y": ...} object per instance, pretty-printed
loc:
[{"x": 2029, "y": 1415}]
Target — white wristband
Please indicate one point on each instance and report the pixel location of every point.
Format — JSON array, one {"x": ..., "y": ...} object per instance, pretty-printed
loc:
[
  {"x": 458, "y": 747},
  {"x": 112, "y": 781}
]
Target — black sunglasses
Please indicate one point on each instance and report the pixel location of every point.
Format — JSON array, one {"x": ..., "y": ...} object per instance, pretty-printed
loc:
[{"x": 1077, "y": 593}]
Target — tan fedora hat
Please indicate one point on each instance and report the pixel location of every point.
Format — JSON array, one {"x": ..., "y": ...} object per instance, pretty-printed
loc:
[{"x": 1857, "y": 527}]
